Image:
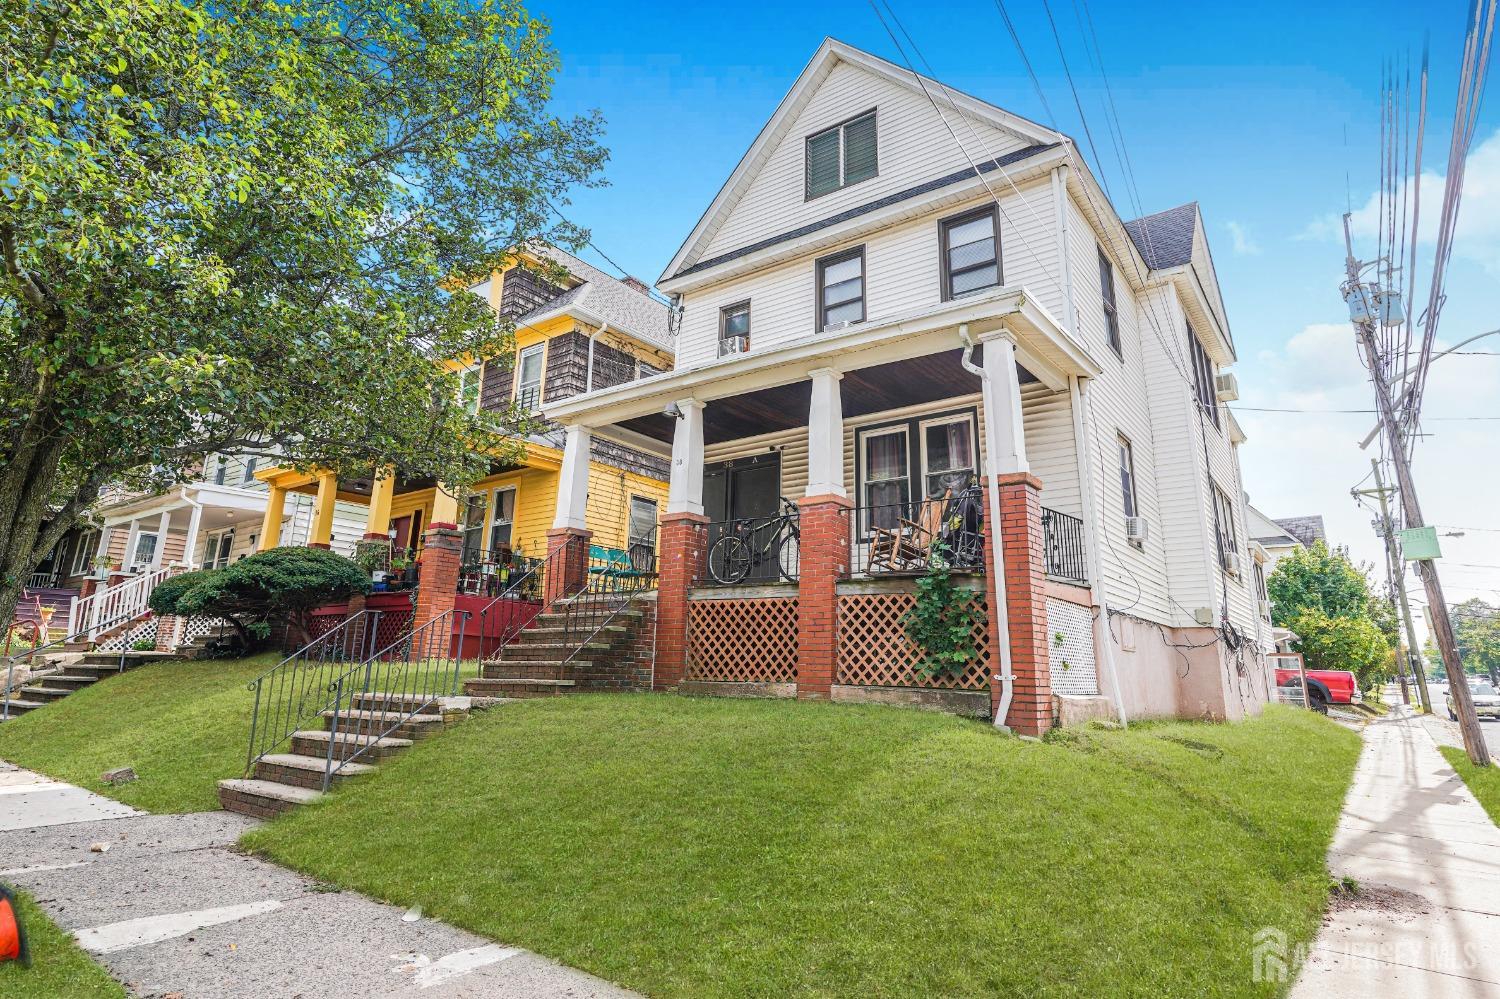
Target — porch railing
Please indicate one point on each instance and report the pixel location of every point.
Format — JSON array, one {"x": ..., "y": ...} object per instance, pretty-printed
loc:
[
  {"x": 614, "y": 578},
  {"x": 750, "y": 550},
  {"x": 902, "y": 539},
  {"x": 492, "y": 574},
  {"x": 297, "y": 690},
  {"x": 1063, "y": 547},
  {"x": 42, "y": 580},
  {"x": 87, "y": 615}
]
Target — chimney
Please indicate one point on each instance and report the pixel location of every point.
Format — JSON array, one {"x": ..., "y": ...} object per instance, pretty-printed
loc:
[{"x": 637, "y": 284}]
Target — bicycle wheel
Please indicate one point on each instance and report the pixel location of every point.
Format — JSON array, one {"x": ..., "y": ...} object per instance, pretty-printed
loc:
[
  {"x": 729, "y": 559},
  {"x": 789, "y": 558}
]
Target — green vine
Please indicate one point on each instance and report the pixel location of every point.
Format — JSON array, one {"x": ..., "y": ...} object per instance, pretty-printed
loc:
[{"x": 941, "y": 622}]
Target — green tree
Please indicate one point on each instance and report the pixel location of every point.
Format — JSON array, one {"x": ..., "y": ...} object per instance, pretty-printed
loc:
[
  {"x": 1352, "y": 643},
  {"x": 235, "y": 227},
  {"x": 1476, "y": 630},
  {"x": 1317, "y": 578}
]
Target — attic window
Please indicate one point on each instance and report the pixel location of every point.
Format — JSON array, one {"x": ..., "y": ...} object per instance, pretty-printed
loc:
[{"x": 842, "y": 155}]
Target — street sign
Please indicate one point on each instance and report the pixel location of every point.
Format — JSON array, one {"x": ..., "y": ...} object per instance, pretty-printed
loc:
[{"x": 1419, "y": 543}]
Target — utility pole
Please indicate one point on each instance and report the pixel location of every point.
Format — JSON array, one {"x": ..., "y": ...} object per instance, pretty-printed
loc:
[
  {"x": 1442, "y": 630},
  {"x": 1397, "y": 577}
]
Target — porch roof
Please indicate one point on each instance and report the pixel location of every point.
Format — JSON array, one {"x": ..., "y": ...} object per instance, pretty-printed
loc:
[{"x": 773, "y": 384}]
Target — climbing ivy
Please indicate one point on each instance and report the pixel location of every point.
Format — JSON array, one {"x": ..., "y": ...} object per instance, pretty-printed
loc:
[{"x": 941, "y": 622}]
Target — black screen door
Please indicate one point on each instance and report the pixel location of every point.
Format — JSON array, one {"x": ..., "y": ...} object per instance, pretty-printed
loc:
[{"x": 744, "y": 489}]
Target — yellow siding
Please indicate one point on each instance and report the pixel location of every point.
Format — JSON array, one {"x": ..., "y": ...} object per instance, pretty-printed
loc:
[{"x": 610, "y": 490}]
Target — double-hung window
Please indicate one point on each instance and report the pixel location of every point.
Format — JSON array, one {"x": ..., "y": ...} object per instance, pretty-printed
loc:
[
  {"x": 971, "y": 252},
  {"x": 502, "y": 519},
  {"x": 1111, "y": 311},
  {"x": 947, "y": 455},
  {"x": 886, "y": 476},
  {"x": 1203, "y": 377},
  {"x": 1224, "y": 528},
  {"x": 1127, "y": 475},
  {"x": 841, "y": 289},
  {"x": 734, "y": 328},
  {"x": 468, "y": 388},
  {"x": 642, "y": 527},
  {"x": 473, "y": 528},
  {"x": 82, "y": 555},
  {"x": 247, "y": 476},
  {"x": 216, "y": 554},
  {"x": 529, "y": 378},
  {"x": 221, "y": 471},
  {"x": 842, "y": 155}
]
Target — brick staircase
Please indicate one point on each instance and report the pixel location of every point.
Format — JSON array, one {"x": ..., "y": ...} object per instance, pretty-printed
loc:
[
  {"x": 79, "y": 670},
  {"x": 280, "y": 782},
  {"x": 541, "y": 662}
]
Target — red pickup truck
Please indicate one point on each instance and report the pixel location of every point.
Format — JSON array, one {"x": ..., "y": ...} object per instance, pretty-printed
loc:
[{"x": 1324, "y": 686}]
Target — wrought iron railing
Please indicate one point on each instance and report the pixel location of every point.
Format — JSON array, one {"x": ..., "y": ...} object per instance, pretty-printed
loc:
[
  {"x": 511, "y": 609},
  {"x": 1063, "y": 547},
  {"x": 297, "y": 690},
  {"x": 490, "y": 574},
  {"x": 751, "y": 550},
  {"x": 613, "y": 579},
  {"x": 896, "y": 539}
]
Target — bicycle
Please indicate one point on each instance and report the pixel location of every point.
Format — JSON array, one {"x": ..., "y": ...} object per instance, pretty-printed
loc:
[{"x": 750, "y": 544}]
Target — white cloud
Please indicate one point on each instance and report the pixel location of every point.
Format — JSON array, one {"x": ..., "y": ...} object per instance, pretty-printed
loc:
[
  {"x": 1478, "y": 235},
  {"x": 1243, "y": 243}
]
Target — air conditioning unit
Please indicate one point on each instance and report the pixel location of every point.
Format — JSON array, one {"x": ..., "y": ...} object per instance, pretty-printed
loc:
[
  {"x": 1265, "y": 609},
  {"x": 837, "y": 326},
  {"x": 1226, "y": 387},
  {"x": 1231, "y": 563},
  {"x": 734, "y": 345},
  {"x": 1137, "y": 530}
]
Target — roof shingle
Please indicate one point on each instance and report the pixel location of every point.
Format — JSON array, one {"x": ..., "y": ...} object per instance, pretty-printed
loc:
[{"x": 1166, "y": 238}]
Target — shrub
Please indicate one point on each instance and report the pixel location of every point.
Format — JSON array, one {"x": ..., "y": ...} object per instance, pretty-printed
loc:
[
  {"x": 164, "y": 599},
  {"x": 272, "y": 587}
]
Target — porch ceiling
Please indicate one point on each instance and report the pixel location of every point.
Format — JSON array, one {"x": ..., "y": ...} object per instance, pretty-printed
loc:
[{"x": 909, "y": 382}]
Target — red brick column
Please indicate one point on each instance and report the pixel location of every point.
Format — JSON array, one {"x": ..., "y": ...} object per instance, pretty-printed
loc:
[
  {"x": 683, "y": 539},
  {"x": 824, "y": 556},
  {"x": 1026, "y": 606},
  {"x": 437, "y": 588},
  {"x": 166, "y": 633},
  {"x": 568, "y": 573}
]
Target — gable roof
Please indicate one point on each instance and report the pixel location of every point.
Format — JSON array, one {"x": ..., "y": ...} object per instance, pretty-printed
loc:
[
  {"x": 1165, "y": 239},
  {"x": 830, "y": 53},
  {"x": 1304, "y": 529},
  {"x": 606, "y": 298}
]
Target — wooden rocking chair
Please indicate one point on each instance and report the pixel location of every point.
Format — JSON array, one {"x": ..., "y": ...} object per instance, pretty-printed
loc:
[{"x": 907, "y": 546}]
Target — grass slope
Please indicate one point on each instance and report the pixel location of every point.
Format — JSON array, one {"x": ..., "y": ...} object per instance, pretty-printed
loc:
[
  {"x": 181, "y": 725},
  {"x": 1484, "y": 782},
  {"x": 689, "y": 847},
  {"x": 59, "y": 969}
]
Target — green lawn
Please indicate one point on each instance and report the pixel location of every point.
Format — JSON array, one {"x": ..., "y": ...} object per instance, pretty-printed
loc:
[
  {"x": 688, "y": 847},
  {"x": 1484, "y": 782},
  {"x": 183, "y": 726},
  {"x": 59, "y": 969}
]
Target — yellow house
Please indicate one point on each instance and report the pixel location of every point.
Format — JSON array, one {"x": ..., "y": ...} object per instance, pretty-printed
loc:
[{"x": 577, "y": 329}]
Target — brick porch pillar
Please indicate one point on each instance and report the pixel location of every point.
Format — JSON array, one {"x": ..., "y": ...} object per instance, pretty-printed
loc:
[
  {"x": 1026, "y": 606},
  {"x": 437, "y": 588},
  {"x": 824, "y": 556},
  {"x": 567, "y": 573},
  {"x": 166, "y": 633},
  {"x": 683, "y": 541}
]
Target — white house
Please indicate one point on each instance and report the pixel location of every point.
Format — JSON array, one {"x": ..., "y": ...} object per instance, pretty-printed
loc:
[{"x": 899, "y": 293}]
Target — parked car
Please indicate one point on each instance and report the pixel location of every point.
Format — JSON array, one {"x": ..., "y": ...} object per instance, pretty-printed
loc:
[
  {"x": 1324, "y": 686},
  {"x": 1486, "y": 701}
]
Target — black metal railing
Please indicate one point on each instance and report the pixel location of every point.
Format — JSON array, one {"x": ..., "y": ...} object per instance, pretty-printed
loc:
[
  {"x": 491, "y": 574},
  {"x": 514, "y": 606},
  {"x": 375, "y": 698},
  {"x": 750, "y": 550},
  {"x": 896, "y": 539},
  {"x": 1063, "y": 547},
  {"x": 297, "y": 690},
  {"x": 613, "y": 578}
]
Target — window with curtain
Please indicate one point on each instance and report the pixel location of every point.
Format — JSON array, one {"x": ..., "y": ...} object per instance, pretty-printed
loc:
[
  {"x": 502, "y": 519},
  {"x": 948, "y": 450},
  {"x": 886, "y": 477},
  {"x": 842, "y": 155},
  {"x": 473, "y": 527},
  {"x": 971, "y": 260},
  {"x": 841, "y": 288},
  {"x": 529, "y": 378}
]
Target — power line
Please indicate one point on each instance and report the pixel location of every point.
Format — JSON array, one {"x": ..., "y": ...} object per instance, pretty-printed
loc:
[{"x": 1336, "y": 412}]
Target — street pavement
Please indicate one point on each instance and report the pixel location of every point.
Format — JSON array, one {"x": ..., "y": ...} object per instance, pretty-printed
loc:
[
  {"x": 170, "y": 909},
  {"x": 1425, "y": 857}
]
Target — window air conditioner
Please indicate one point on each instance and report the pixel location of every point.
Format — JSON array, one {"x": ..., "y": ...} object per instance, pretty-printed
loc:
[
  {"x": 734, "y": 345},
  {"x": 1137, "y": 530},
  {"x": 1231, "y": 563},
  {"x": 1226, "y": 387},
  {"x": 1265, "y": 609}
]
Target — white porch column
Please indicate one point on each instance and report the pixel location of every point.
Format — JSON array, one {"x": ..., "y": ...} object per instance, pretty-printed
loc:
[
  {"x": 573, "y": 482},
  {"x": 106, "y": 535},
  {"x": 129, "y": 556},
  {"x": 825, "y": 435},
  {"x": 162, "y": 526},
  {"x": 1004, "y": 434},
  {"x": 190, "y": 545},
  {"x": 685, "y": 490}
]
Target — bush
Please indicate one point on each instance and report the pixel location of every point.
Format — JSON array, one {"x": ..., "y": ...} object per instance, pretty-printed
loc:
[
  {"x": 164, "y": 599},
  {"x": 272, "y": 587}
]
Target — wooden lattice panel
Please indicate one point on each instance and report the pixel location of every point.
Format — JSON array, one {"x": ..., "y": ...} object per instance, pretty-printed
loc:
[
  {"x": 875, "y": 652},
  {"x": 743, "y": 640}
]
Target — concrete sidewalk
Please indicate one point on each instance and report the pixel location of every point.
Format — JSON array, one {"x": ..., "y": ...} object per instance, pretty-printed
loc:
[
  {"x": 169, "y": 908},
  {"x": 1425, "y": 921}
]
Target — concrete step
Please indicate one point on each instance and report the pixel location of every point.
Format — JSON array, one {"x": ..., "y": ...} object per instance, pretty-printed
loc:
[
  {"x": 262, "y": 798},
  {"x": 20, "y": 707},
  {"x": 68, "y": 680},
  {"x": 548, "y": 651},
  {"x": 378, "y": 701},
  {"x": 132, "y": 659},
  {"x": 533, "y": 669},
  {"x": 311, "y": 742},
  {"x": 487, "y": 687},
  {"x": 94, "y": 672},
  {"x": 45, "y": 694},
  {"x": 296, "y": 770},
  {"x": 406, "y": 725}
]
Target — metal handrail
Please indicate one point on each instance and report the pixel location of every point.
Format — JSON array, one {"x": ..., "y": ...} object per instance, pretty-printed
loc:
[
  {"x": 284, "y": 692},
  {"x": 604, "y": 597},
  {"x": 10, "y": 660}
]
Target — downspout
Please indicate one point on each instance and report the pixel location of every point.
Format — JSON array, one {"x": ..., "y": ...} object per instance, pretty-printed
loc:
[
  {"x": 588, "y": 378},
  {"x": 1000, "y": 612},
  {"x": 1082, "y": 447},
  {"x": 195, "y": 521}
]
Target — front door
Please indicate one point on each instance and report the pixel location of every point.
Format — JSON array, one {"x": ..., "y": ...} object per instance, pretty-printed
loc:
[{"x": 745, "y": 489}]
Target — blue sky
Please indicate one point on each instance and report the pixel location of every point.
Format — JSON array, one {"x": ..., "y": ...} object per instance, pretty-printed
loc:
[{"x": 1267, "y": 115}]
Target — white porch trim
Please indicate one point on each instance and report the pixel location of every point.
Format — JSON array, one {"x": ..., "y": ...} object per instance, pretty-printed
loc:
[{"x": 825, "y": 435}]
